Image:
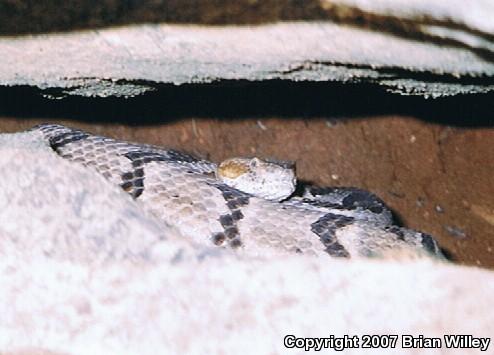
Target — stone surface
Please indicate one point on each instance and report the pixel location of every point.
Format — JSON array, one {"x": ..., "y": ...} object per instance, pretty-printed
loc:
[
  {"x": 134, "y": 60},
  {"x": 58, "y": 208},
  {"x": 27, "y": 16},
  {"x": 112, "y": 297},
  {"x": 409, "y": 47}
]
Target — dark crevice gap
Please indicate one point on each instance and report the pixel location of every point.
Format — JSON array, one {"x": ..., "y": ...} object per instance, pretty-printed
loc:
[{"x": 230, "y": 100}]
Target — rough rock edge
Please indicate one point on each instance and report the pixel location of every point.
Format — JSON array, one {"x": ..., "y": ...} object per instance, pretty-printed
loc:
[
  {"x": 132, "y": 60},
  {"x": 177, "y": 298}
]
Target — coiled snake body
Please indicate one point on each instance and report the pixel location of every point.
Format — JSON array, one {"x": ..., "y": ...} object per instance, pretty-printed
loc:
[{"x": 184, "y": 192}]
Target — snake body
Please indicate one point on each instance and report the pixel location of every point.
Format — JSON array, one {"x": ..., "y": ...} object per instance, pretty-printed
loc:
[{"x": 184, "y": 192}]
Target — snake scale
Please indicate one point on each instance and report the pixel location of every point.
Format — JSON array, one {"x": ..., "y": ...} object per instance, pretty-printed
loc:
[{"x": 184, "y": 192}]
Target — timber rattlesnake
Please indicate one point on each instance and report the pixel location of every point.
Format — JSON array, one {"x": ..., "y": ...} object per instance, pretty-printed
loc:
[{"x": 185, "y": 192}]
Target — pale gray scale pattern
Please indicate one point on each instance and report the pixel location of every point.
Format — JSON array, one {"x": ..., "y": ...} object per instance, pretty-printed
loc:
[
  {"x": 235, "y": 199},
  {"x": 367, "y": 207},
  {"x": 183, "y": 192},
  {"x": 362, "y": 204},
  {"x": 325, "y": 227},
  {"x": 125, "y": 164}
]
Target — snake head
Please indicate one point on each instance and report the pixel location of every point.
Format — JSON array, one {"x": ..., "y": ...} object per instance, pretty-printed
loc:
[{"x": 268, "y": 179}]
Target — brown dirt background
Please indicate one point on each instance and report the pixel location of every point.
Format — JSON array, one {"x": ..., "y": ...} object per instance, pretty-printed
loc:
[{"x": 437, "y": 179}]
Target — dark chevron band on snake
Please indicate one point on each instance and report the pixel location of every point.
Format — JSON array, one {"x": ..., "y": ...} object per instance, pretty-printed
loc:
[{"x": 182, "y": 191}]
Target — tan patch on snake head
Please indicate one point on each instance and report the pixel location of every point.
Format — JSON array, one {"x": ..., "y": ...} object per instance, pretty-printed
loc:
[{"x": 232, "y": 168}]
